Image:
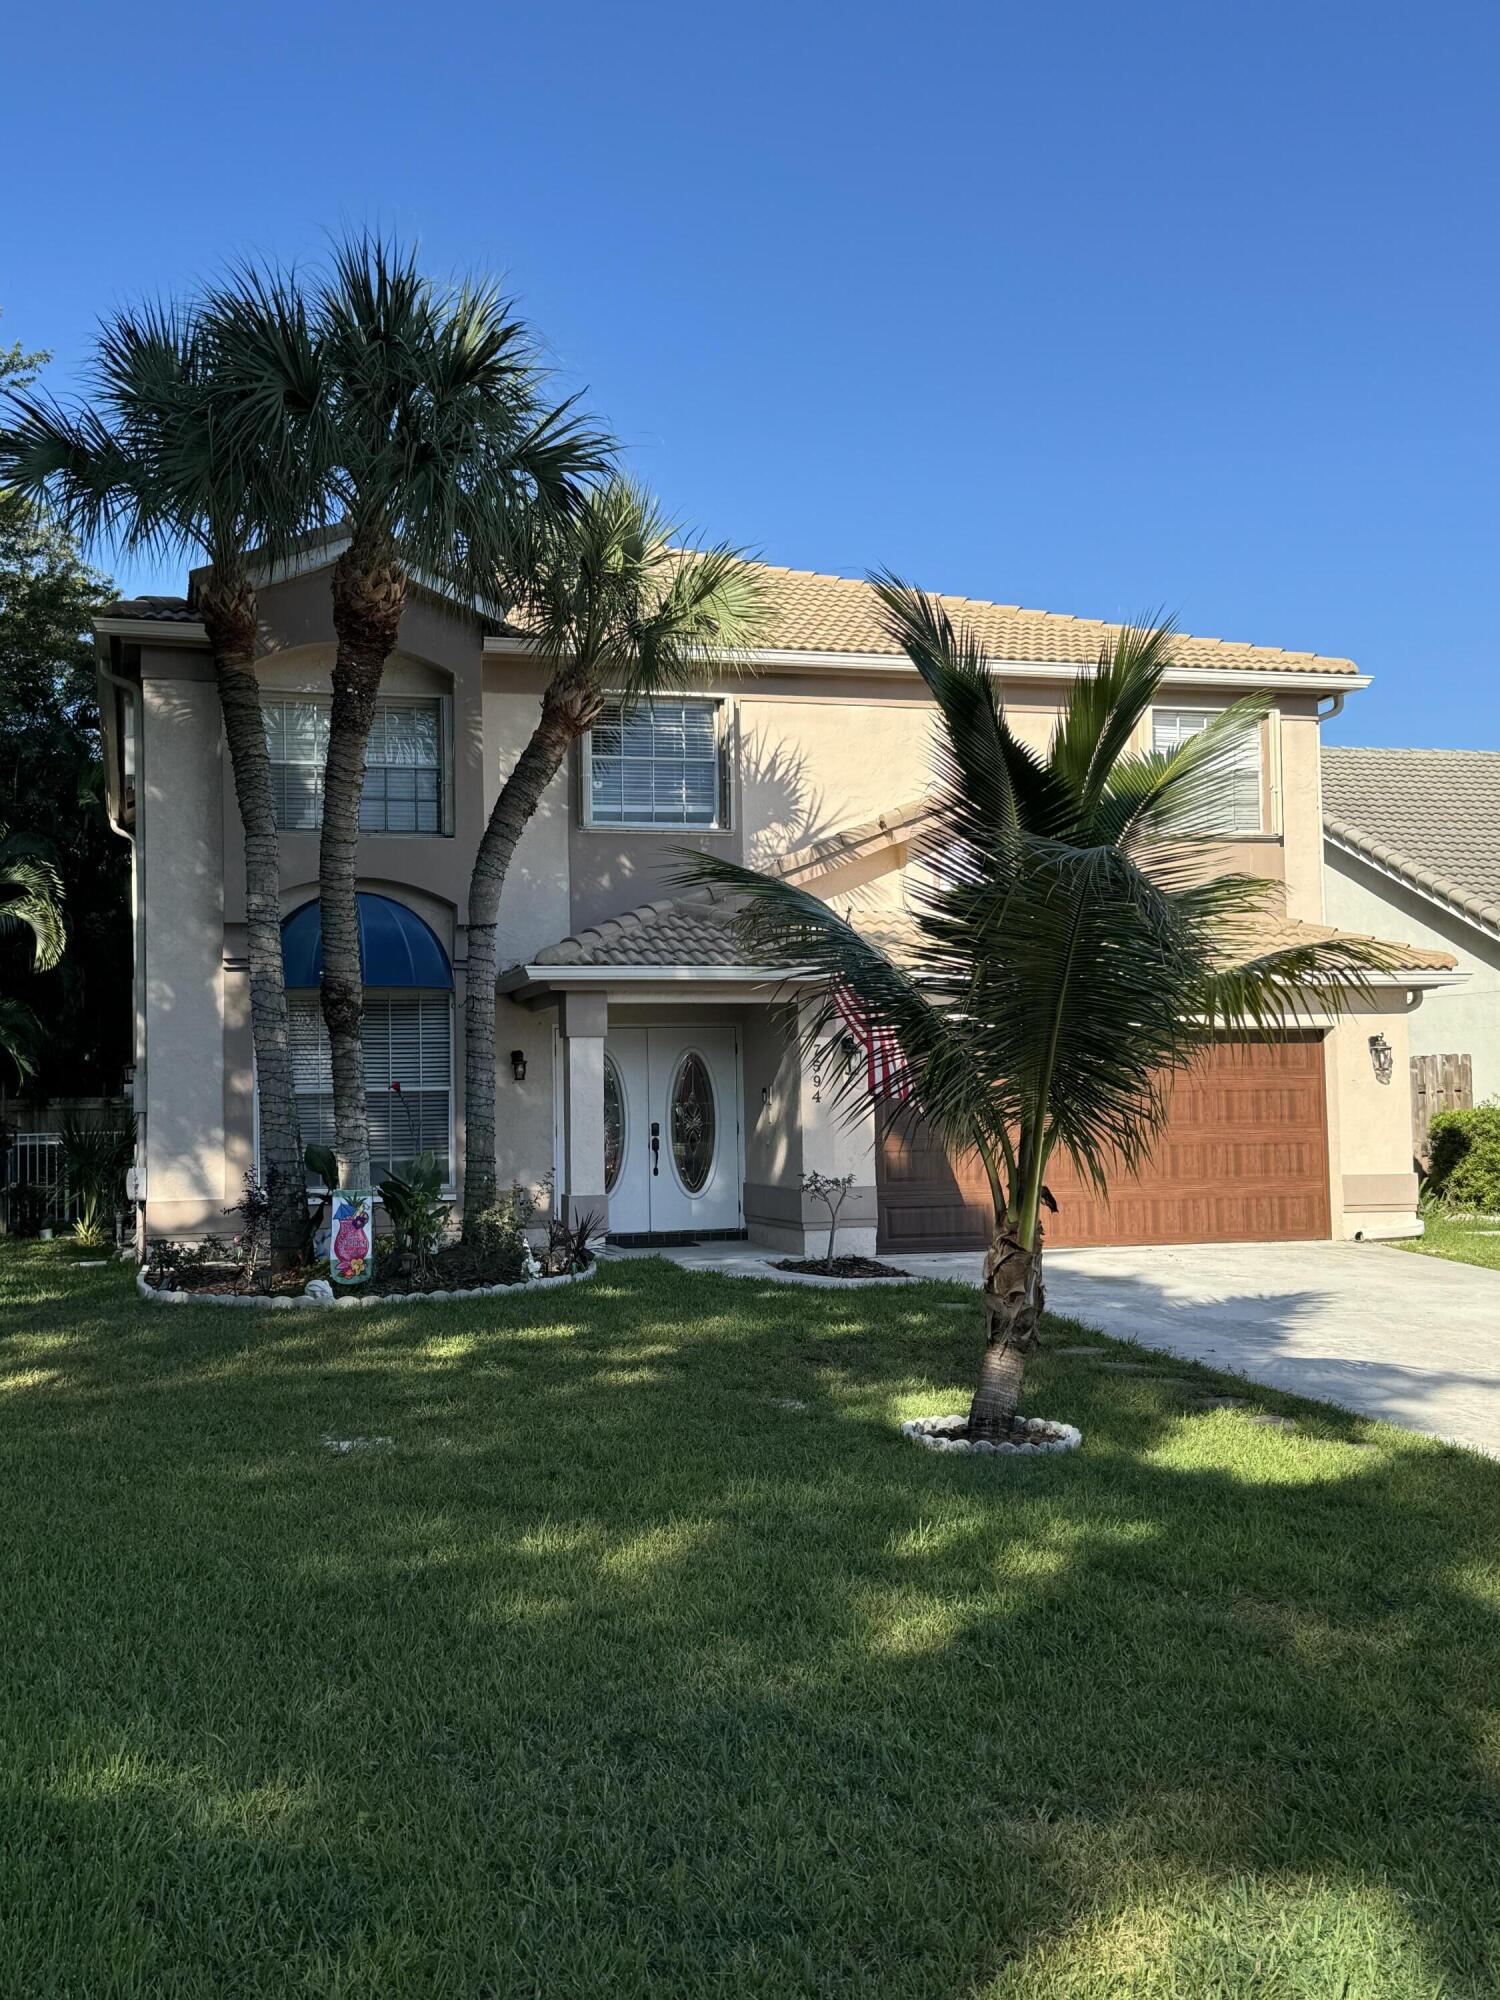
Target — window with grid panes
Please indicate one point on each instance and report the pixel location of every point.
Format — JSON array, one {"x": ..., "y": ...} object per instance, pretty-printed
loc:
[
  {"x": 403, "y": 788},
  {"x": 1237, "y": 809},
  {"x": 655, "y": 764},
  {"x": 408, "y": 1044}
]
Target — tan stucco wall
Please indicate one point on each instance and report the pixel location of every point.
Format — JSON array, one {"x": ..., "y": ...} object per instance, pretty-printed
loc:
[
  {"x": 814, "y": 764},
  {"x": 1374, "y": 1186},
  {"x": 1457, "y": 1020},
  {"x": 181, "y": 855}
]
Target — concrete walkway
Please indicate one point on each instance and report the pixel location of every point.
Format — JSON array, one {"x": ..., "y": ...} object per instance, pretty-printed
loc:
[{"x": 1411, "y": 1339}]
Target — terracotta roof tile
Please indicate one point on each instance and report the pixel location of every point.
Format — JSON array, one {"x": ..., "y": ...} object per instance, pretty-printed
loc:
[
  {"x": 838, "y": 614},
  {"x": 167, "y": 610},
  {"x": 1432, "y": 816}
]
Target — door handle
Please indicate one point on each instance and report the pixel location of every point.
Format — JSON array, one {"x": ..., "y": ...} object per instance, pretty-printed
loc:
[{"x": 655, "y": 1147}]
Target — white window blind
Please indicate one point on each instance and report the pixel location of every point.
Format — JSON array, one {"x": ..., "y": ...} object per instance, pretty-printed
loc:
[
  {"x": 1237, "y": 809},
  {"x": 656, "y": 764},
  {"x": 403, "y": 789},
  {"x": 408, "y": 1043}
]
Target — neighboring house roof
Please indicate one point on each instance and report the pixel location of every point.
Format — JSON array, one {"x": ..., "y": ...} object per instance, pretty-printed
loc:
[
  {"x": 1431, "y": 817},
  {"x": 813, "y": 613}
]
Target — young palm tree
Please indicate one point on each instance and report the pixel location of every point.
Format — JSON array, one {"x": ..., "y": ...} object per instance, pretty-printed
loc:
[
  {"x": 154, "y": 463},
  {"x": 1079, "y": 944},
  {"x": 615, "y": 610},
  {"x": 432, "y": 441},
  {"x": 31, "y": 900}
]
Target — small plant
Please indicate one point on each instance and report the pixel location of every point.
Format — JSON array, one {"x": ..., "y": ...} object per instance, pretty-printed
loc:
[
  {"x": 833, "y": 1191},
  {"x": 413, "y": 1201},
  {"x": 96, "y": 1159},
  {"x": 497, "y": 1235},
  {"x": 568, "y": 1243},
  {"x": 253, "y": 1240}
]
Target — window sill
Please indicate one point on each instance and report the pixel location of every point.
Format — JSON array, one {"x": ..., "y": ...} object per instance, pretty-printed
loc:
[{"x": 650, "y": 826}]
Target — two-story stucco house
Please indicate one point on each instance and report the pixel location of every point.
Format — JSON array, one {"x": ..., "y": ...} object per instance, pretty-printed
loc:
[{"x": 640, "y": 1060}]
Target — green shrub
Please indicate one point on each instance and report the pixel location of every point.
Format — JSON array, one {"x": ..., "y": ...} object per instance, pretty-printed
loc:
[
  {"x": 1465, "y": 1170},
  {"x": 498, "y": 1236}
]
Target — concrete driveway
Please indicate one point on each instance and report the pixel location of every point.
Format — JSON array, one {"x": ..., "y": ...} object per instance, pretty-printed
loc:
[{"x": 1411, "y": 1339}]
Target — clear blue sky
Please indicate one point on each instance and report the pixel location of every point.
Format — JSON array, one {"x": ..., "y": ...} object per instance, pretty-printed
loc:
[{"x": 1089, "y": 307}]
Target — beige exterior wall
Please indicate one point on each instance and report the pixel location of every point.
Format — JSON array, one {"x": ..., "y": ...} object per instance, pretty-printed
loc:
[
  {"x": 1374, "y": 1186},
  {"x": 179, "y": 830}
]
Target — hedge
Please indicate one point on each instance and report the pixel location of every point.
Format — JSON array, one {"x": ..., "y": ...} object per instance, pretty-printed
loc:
[{"x": 1466, "y": 1157}]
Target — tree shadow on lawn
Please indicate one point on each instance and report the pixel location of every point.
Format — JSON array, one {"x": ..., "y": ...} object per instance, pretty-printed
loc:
[{"x": 650, "y": 1659}]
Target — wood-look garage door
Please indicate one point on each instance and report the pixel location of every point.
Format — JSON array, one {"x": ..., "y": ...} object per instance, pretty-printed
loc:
[{"x": 1244, "y": 1159}]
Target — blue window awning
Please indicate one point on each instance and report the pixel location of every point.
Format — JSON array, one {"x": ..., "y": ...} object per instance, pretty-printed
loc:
[{"x": 395, "y": 947}]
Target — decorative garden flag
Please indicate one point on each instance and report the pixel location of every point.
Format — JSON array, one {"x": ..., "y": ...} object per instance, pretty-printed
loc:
[{"x": 351, "y": 1251}]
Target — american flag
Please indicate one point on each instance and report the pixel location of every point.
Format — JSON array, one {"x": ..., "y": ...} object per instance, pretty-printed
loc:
[{"x": 885, "y": 1065}]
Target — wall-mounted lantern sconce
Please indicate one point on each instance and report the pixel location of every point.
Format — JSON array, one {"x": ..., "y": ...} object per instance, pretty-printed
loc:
[
  {"x": 849, "y": 1043},
  {"x": 1382, "y": 1058},
  {"x": 518, "y": 1065}
]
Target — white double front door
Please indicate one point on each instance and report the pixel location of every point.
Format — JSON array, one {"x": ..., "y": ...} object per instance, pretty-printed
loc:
[{"x": 672, "y": 1156}]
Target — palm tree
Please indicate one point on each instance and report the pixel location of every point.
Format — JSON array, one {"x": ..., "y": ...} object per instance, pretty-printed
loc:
[
  {"x": 615, "y": 610},
  {"x": 1078, "y": 944},
  {"x": 432, "y": 443},
  {"x": 155, "y": 464},
  {"x": 31, "y": 900}
]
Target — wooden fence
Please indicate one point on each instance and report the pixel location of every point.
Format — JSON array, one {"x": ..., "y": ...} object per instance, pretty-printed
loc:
[{"x": 1438, "y": 1083}]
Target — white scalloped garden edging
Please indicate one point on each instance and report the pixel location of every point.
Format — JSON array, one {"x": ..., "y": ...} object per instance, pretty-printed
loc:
[
  {"x": 285, "y": 1300},
  {"x": 937, "y": 1434}
]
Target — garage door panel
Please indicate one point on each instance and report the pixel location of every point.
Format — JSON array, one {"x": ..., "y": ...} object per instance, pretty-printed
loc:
[{"x": 1244, "y": 1158}]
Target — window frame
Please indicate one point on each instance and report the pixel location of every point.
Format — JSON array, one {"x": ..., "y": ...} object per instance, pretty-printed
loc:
[
  {"x": 723, "y": 820},
  {"x": 1207, "y": 715},
  {"x": 443, "y": 706}
]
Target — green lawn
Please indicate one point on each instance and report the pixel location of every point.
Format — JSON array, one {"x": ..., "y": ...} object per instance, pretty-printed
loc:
[
  {"x": 1462, "y": 1240},
  {"x": 650, "y": 1661}
]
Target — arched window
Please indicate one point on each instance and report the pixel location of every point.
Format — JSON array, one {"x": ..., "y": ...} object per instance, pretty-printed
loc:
[{"x": 408, "y": 1033}]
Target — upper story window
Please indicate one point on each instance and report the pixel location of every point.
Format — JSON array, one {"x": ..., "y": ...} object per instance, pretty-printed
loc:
[
  {"x": 657, "y": 763},
  {"x": 403, "y": 790},
  {"x": 1238, "y": 809}
]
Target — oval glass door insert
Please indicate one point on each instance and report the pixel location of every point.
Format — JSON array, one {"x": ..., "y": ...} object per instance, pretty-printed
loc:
[
  {"x": 614, "y": 1125},
  {"x": 693, "y": 1122}
]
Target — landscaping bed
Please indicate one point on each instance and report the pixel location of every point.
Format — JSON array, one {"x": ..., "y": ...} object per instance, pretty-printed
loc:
[
  {"x": 838, "y": 1267},
  {"x": 612, "y": 1640},
  {"x": 453, "y": 1269}
]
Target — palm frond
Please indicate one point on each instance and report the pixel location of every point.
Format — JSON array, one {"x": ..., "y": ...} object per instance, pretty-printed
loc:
[{"x": 31, "y": 897}]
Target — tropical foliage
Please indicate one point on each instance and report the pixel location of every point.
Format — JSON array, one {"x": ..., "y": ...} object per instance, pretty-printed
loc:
[
  {"x": 97, "y": 1154},
  {"x": 51, "y": 798},
  {"x": 31, "y": 907},
  {"x": 153, "y": 463},
  {"x": 614, "y": 606},
  {"x": 1079, "y": 940},
  {"x": 420, "y": 425}
]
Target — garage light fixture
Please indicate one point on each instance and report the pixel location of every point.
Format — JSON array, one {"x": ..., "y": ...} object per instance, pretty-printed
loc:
[{"x": 1382, "y": 1058}]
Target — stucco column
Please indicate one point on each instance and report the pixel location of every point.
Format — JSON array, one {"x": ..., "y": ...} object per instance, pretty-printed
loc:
[
  {"x": 838, "y": 1138},
  {"x": 582, "y": 1020}
]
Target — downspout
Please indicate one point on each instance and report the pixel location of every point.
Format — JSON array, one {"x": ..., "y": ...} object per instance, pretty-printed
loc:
[{"x": 110, "y": 678}]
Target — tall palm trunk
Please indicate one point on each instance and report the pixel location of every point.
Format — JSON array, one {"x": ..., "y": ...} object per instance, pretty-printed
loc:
[
  {"x": 566, "y": 712},
  {"x": 1013, "y": 1304},
  {"x": 369, "y": 592},
  {"x": 230, "y": 619}
]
